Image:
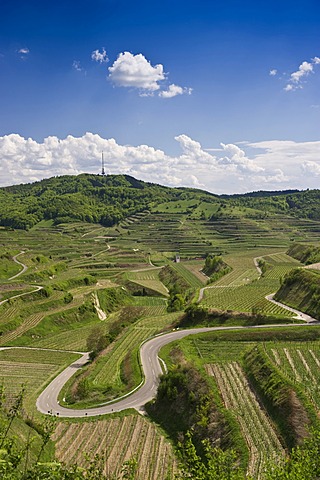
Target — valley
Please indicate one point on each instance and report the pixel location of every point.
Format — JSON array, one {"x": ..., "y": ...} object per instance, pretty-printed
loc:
[{"x": 71, "y": 285}]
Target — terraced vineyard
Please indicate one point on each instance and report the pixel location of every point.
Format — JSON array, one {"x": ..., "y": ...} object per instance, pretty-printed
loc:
[
  {"x": 148, "y": 278},
  {"x": 74, "y": 262},
  {"x": 117, "y": 440},
  {"x": 31, "y": 368},
  {"x": 244, "y": 290},
  {"x": 195, "y": 267},
  {"x": 300, "y": 362},
  {"x": 188, "y": 275},
  {"x": 64, "y": 340},
  {"x": 263, "y": 443},
  {"x": 249, "y": 298}
]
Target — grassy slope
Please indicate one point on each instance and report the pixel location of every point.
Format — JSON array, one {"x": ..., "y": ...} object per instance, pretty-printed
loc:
[{"x": 301, "y": 290}]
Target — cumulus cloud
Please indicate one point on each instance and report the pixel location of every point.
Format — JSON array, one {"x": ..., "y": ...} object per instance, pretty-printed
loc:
[
  {"x": 311, "y": 168},
  {"x": 273, "y": 72},
  {"x": 100, "y": 57},
  {"x": 236, "y": 159},
  {"x": 230, "y": 169},
  {"x": 289, "y": 87},
  {"x": 136, "y": 71},
  {"x": 277, "y": 177},
  {"x": 174, "y": 90},
  {"x": 304, "y": 70},
  {"x": 297, "y": 77}
]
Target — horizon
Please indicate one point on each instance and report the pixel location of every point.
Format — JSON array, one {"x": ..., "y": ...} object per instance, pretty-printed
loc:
[
  {"x": 222, "y": 96},
  {"x": 276, "y": 192}
]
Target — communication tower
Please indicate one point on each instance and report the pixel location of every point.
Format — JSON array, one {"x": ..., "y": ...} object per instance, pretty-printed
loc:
[{"x": 102, "y": 165}]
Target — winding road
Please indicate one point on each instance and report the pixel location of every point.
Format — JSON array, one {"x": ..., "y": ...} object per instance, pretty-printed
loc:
[{"x": 48, "y": 403}]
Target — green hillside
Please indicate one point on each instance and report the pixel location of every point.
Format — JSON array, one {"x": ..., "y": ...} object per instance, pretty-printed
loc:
[
  {"x": 301, "y": 290},
  {"x": 103, "y": 263},
  {"x": 110, "y": 199}
]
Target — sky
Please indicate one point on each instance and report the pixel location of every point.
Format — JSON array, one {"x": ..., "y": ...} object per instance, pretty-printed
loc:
[{"x": 221, "y": 95}]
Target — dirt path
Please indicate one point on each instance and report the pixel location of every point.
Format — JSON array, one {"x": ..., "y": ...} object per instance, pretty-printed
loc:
[
  {"x": 256, "y": 264},
  {"x": 298, "y": 315},
  {"x": 37, "y": 288},
  {"x": 101, "y": 314},
  {"x": 24, "y": 267}
]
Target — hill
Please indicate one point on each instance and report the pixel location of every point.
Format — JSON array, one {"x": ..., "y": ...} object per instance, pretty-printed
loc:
[
  {"x": 102, "y": 263},
  {"x": 109, "y": 199}
]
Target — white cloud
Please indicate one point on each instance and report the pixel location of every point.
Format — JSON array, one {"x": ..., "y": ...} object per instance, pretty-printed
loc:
[
  {"x": 100, "y": 57},
  {"x": 136, "y": 71},
  {"x": 77, "y": 66},
  {"x": 277, "y": 177},
  {"x": 236, "y": 159},
  {"x": 311, "y": 168},
  {"x": 174, "y": 90},
  {"x": 305, "y": 69},
  {"x": 193, "y": 154},
  {"x": 24, "y": 51},
  {"x": 297, "y": 77},
  {"x": 229, "y": 169},
  {"x": 273, "y": 72}
]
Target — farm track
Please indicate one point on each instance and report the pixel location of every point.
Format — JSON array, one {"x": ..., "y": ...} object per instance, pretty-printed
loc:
[
  {"x": 298, "y": 315},
  {"x": 37, "y": 288},
  {"x": 24, "y": 267}
]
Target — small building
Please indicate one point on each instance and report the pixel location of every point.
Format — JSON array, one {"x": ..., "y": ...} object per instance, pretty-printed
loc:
[{"x": 177, "y": 259}]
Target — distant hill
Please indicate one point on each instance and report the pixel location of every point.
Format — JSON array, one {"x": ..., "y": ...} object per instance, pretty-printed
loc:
[{"x": 109, "y": 199}]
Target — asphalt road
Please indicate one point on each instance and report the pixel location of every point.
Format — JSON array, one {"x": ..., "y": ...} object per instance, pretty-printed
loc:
[{"x": 47, "y": 402}]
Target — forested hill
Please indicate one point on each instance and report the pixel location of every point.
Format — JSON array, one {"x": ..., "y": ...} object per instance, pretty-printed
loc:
[
  {"x": 91, "y": 198},
  {"x": 109, "y": 199}
]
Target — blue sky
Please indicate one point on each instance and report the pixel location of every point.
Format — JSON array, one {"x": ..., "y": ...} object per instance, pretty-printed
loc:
[{"x": 221, "y": 95}]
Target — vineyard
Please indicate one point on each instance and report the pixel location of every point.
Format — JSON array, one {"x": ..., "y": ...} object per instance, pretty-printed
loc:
[
  {"x": 107, "y": 369},
  {"x": 300, "y": 362},
  {"x": 117, "y": 440},
  {"x": 263, "y": 443},
  {"x": 245, "y": 291},
  {"x": 75, "y": 263},
  {"x": 249, "y": 298},
  {"x": 148, "y": 278},
  {"x": 188, "y": 275},
  {"x": 31, "y": 368},
  {"x": 195, "y": 267}
]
